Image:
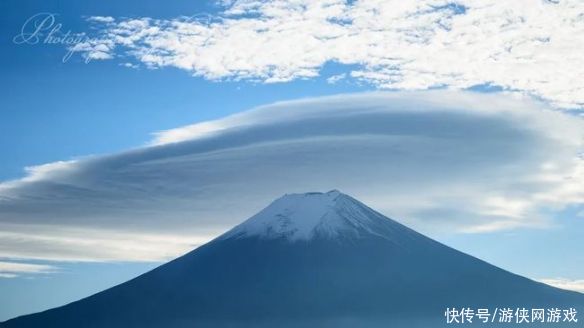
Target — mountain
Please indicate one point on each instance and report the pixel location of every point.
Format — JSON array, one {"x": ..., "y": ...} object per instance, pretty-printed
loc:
[{"x": 308, "y": 260}]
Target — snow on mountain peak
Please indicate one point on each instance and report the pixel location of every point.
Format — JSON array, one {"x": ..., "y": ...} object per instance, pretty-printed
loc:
[{"x": 304, "y": 216}]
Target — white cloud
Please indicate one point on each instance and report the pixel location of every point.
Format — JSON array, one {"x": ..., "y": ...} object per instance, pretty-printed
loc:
[
  {"x": 435, "y": 160},
  {"x": 336, "y": 78},
  {"x": 41, "y": 172},
  {"x": 101, "y": 19},
  {"x": 8, "y": 275},
  {"x": 569, "y": 284},
  {"x": 529, "y": 46},
  {"x": 15, "y": 269},
  {"x": 73, "y": 243},
  {"x": 130, "y": 65}
]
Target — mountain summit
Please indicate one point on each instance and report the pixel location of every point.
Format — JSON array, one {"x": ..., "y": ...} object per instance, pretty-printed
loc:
[
  {"x": 308, "y": 260},
  {"x": 318, "y": 215}
]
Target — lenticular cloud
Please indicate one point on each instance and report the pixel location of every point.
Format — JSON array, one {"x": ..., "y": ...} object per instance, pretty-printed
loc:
[{"x": 436, "y": 160}]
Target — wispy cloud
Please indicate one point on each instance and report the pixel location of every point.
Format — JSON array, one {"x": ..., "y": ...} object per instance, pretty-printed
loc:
[
  {"x": 436, "y": 160},
  {"x": 390, "y": 44},
  {"x": 55, "y": 242},
  {"x": 15, "y": 269},
  {"x": 570, "y": 284},
  {"x": 336, "y": 78}
]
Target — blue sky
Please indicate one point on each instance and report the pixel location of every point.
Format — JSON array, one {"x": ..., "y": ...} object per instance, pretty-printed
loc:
[
  {"x": 496, "y": 204},
  {"x": 77, "y": 109}
]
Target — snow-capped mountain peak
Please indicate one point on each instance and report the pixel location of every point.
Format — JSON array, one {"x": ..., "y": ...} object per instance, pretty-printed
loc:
[{"x": 308, "y": 215}]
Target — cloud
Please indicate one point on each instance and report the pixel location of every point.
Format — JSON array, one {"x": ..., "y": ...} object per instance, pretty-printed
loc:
[
  {"x": 336, "y": 78},
  {"x": 101, "y": 19},
  {"x": 528, "y": 46},
  {"x": 15, "y": 269},
  {"x": 53, "y": 242},
  {"x": 435, "y": 160},
  {"x": 570, "y": 284}
]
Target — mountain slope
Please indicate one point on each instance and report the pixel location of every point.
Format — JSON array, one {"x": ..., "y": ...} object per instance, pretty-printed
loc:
[{"x": 307, "y": 260}]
